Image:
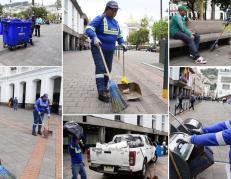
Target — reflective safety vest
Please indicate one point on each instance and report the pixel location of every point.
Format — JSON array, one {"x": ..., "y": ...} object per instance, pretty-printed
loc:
[
  {"x": 42, "y": 106},
  {"x": 76, "y": 153},
  {"x": 107, "y": 30}
]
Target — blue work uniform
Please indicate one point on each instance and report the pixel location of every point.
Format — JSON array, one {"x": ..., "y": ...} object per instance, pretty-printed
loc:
[
  {"x": 42, "y": 107},
  {"x": 76, "y": 160},
  {"x": 108, "y": 32},
  {"x": 216, "y": 135}
]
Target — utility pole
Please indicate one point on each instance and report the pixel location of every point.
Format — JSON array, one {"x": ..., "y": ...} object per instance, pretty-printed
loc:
[
  {"x": 32, "y": 2},
  {"x": 10, "y": 7},
  {"x": 161, "y": 10}
]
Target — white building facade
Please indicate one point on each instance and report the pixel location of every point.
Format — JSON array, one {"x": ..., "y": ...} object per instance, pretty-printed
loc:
[
  {"x": 224, "y": 83},
  {"x": 29, "y": 83},
  {"x": 74, "y": 23},
  {"x": 156, "y": 122}
]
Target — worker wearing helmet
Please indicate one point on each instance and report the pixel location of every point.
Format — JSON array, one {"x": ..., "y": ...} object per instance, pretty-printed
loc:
[
  {"x": 41, "y": 107},
  {"x": 104, "y": 31}
]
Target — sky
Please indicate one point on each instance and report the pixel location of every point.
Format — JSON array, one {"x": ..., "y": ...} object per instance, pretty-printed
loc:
[
  {"x": 136, "y": 8},
  {"x": 45, "y": 2}
]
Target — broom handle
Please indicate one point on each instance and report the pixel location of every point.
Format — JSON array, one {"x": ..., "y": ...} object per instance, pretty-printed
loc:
[
  {"x": 104, "y": 62},
  {"x": 123, "y": 65}
]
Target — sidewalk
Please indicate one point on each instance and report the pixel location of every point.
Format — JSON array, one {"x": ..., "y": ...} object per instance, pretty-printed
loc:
[
  {"x": 219, "y": 57},
  {"x": 47, "y": 50},
  {"x": 27, "y": 156},
  {"x": 80, "y": 94}
]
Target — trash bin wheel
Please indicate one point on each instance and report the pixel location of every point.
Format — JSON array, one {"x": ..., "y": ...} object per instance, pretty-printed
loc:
[{"x": 25, "y": 45}]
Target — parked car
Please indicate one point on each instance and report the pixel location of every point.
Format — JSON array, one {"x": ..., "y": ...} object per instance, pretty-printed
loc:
[{"x": 125, "y": 154}]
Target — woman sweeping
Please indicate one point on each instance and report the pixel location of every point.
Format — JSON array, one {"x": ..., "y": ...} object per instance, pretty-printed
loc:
[{"x": 104, "y": 31}]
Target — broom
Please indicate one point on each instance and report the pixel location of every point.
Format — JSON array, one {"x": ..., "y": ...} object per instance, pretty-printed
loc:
[
  {"x": 217, "y": 40},
  {"x": 117, "y": 100}
]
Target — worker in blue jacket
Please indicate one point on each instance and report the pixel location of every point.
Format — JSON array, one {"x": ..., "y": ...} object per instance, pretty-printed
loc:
[
  {"x": 218, "y": 134},
  {"x": 77, "y": 164},
  {"x": 228, "y": 16},
  {"x": 104, "y": 31},
  {"x": 41, "y": 107}
]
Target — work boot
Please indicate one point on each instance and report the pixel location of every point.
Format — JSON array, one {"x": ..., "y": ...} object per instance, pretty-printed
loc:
[
  {"x": 103, "y": 97},
  {"x": 34, "y": 133},
  {"x": 39, "y": 130}
]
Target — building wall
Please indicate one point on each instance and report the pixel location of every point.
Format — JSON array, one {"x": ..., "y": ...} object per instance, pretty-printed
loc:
[
  {"x": 28, "y": 75},
  {"x": 224, "y": 83},
  {"x": 146, "y": 120}
]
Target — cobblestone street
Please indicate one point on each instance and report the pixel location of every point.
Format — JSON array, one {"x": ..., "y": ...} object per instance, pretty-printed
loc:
[
  {"x": 220, "y": 56},
  {"x": 27, "y": 156},
  {"x": 80, "y": 94},
  {"x": 46, "y": 51},
  {"x": 159, "y": 169}
]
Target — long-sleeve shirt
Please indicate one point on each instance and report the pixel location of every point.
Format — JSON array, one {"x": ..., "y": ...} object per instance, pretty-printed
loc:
[
  {"x": 75, "y": 152},
  {"x": 107, "y": 30},
  {"x": 42, "y": 106},
  {"x": 178, "y": 24},
  {"x": 216, "y": 135}
]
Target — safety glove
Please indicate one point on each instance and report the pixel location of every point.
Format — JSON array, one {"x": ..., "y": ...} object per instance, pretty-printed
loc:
[
  {"x": 124, "y": 46},
  {"x": 184, "y": 140},
  {"x": 96, "y": 41}
]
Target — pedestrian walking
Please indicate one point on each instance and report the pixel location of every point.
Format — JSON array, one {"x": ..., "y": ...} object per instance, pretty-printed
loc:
[
  {"x": 179, "y": 30},
  {"x": 38, "y": 23},
  {"x": 192, "y": 101},
  {"x": 180, "y": 99},
  {"x": 41, "y": 107},
  {"x": 15, "y": 104},
  {"x": 10, "y": 102},
  {"x": 32, "y": 24},
  {"x": 77, "y": 164},
  {"x": 104, "y": 31}
]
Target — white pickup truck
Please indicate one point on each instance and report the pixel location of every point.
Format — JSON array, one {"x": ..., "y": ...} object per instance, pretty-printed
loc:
[{"x": 126, "y": 154}]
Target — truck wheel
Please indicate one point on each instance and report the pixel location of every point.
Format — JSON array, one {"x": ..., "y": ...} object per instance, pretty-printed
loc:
[
  {"x": 142, "y": 173},
  {"x": 154, "y": 159}
]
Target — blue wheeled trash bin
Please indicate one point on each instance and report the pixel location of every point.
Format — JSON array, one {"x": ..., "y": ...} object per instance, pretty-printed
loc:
[
  {"x": 16, "y": 32},
  {"x": 0, "y": 28},
  {"x": 4, "y": 173}
]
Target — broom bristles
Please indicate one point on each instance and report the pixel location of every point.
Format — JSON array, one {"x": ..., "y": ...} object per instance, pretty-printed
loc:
[{"x": 117, "y": 100}]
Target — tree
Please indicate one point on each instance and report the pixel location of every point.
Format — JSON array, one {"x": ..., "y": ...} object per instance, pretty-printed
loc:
[
  {"x": 191, "y": 5},
  {"x": 160, "y": 29},
  {"x": 223, "y": 4},
  {"x": 58, "y": 4},
  {"x": 1, "y": 9},
  {"x": 51, "y": 17},
  {"x": 138, "y": 37},
  {"x": 144, "y": 22}
]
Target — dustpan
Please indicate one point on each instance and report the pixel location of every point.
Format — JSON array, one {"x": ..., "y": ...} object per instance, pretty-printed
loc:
[{"x": 131, "y": 91}]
